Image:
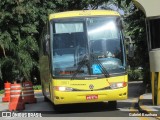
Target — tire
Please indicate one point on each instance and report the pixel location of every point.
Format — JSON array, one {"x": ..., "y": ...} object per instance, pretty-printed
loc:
[
  {"x": 57, "y": 108},
  {"x": 46, "y": 99},
  {"x": 112, "y": 105}
]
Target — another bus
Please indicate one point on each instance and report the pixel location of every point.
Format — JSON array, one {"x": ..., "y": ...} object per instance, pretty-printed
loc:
[{"x": 82, "y": 58}]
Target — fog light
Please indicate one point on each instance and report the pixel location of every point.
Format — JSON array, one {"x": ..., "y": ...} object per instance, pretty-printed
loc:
[
  {"x": 62, "y": 97},
  {"x": 56, "y": 97}
]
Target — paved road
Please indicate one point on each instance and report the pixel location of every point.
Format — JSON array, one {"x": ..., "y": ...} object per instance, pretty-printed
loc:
[{"x": 92, "y": 110}]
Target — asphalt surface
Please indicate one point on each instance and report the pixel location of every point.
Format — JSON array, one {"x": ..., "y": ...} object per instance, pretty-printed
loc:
[{"x": 126, "y": 109}]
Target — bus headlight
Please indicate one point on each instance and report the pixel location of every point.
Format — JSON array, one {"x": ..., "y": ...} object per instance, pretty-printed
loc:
[
  {"x": 63, "y": 88},
  {"x": 118, "y": 85}
]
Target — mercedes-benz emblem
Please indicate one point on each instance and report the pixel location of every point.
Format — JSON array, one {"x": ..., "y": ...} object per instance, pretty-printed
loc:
[{"x": 91, "y": 86}]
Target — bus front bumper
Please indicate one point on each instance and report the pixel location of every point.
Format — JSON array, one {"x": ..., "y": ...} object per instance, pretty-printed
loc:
[{"x": 89, "y": 96}]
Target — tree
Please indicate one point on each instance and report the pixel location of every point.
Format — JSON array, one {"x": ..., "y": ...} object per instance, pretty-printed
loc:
[
  {"x": 18, "y": 44},
  {"x": 21, "y": 24},
  {"x": 137, "y": 30}
]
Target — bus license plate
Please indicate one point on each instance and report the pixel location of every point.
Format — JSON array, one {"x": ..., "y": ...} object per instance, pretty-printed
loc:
[{"x": 91, "y": 97}]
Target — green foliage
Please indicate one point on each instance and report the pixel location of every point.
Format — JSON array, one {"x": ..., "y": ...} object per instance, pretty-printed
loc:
[
  {"x": 37, "y": 87},
  {"x": 135, "y": 27},
  {"x": 18, "y": 42},
  {"x": 134, "y": 75},
  {"x": 65, "y": 5},
  {"x": 1, "y": 91}
]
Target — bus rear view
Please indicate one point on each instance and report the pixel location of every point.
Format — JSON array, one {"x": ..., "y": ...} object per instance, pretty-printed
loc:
[{"x": 85, "y": 58}]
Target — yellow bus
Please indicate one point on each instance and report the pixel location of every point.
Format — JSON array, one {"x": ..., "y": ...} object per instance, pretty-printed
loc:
[{"x": 82, "y": 58}]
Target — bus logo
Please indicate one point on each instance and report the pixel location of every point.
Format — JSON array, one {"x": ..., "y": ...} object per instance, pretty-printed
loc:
[{"x": 91, "y": 86}]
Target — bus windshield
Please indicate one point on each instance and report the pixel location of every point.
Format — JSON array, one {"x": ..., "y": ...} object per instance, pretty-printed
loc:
[{"x": 78, "y": 43}]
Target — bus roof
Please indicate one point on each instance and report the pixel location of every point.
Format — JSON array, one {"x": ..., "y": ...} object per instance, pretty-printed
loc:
[{"x": 80, "y": 13}]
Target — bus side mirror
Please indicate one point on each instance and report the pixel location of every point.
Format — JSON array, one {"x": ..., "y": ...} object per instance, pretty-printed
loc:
[
  {"x": 120, "y": 23},
  {"x": 131, "y": 46}
]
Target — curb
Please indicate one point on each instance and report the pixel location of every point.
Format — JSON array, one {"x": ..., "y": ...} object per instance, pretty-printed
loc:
[
  {"x": 144, "y": 109},
  {"x": 37, "y": 91}
]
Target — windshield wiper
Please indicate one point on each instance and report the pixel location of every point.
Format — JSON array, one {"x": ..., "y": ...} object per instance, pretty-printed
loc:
[
  {"x": 104, "y": 71},
  {"x": 85, "y": 61}
]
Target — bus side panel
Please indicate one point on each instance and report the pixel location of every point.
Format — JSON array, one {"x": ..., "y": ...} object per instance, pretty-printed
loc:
[{"x": 45, "y": 75}]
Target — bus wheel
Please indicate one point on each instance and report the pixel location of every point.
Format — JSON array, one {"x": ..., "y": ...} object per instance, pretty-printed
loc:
[
  {"x": 57, "y": 108},
  {"x": 112, "y": 105},
  {"x": 46, "y": 99}
]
